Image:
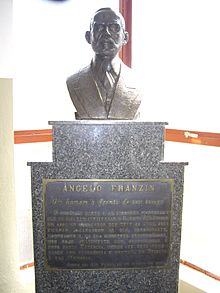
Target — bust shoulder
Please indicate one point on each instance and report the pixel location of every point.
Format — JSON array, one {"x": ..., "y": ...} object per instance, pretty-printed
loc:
[
  {"x": 73, "y": 79},
  {"x": 129, "y": 76}
]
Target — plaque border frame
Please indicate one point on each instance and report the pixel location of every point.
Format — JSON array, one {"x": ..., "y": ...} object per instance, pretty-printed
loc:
[{"x": 47, "y": 180}]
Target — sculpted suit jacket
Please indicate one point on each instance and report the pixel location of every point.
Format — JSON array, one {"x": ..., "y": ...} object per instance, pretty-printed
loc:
[{"x": 88, "y": 101}]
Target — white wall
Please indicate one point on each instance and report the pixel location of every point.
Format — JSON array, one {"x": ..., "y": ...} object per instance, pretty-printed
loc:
[
  {"x": 50, "y": 45},
  {"x": 176, "y": 47},
  {"x": 9, "y": 272},
  {"x": 6, "y": 44},
  {"x": 200, "y": 238}
]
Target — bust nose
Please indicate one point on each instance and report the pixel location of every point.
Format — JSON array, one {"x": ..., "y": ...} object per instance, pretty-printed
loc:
[{"x": 106, "y": 30}]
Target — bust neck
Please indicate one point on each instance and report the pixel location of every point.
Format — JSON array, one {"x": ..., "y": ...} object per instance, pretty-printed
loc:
[{"x": 105, "y": 63}]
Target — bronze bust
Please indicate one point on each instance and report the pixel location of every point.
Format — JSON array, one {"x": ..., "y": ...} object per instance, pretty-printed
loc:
[{"x": 105, "y": 89}]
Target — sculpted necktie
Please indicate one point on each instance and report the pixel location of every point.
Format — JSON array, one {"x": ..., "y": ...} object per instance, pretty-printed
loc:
[{"x": 108, "y": 82}]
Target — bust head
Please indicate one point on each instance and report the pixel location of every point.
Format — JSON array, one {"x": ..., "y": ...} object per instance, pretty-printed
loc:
[
  {"x": 107, "y": 33},
  {"x": 98, "y": 93}
]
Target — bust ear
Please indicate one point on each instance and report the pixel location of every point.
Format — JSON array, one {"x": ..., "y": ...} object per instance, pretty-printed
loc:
[
  {"x": 126, "y": 38},
  {"x": 88, "y": 37}
]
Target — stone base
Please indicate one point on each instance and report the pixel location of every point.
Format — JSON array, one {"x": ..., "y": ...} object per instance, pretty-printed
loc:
[{"x": 109, "y": 150}]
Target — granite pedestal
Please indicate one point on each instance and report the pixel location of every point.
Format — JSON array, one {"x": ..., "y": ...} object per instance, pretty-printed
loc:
[{"x": 107, "y": 210}]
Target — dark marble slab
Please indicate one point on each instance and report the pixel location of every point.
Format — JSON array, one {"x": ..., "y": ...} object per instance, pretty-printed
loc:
[{"x": 107, "y": 150}]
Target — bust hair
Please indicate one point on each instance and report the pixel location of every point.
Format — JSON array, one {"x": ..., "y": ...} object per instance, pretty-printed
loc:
[{"x": 118, "y": 14}]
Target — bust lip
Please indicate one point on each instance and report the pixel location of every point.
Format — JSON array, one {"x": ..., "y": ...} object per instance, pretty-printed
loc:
[{"x": 107, "y": 43}]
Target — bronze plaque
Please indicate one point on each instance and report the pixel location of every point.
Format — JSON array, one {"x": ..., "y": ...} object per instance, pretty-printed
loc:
[{"x": 107, "y": 224}]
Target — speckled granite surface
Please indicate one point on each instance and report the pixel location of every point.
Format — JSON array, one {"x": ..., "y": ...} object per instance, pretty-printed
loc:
[{"x": 107, "y": 150}]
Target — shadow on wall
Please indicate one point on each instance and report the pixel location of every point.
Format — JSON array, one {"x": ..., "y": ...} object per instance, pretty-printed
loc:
[{"x": 186, "y": 288}]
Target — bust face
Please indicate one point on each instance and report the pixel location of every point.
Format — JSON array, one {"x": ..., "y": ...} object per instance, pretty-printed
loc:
[{"x": 107, "y": 34}]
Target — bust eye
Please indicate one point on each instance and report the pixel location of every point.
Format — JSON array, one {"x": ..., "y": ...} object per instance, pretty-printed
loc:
[
  {"x": 114, "y": 27},
  {"x": 98, "y": 27}
]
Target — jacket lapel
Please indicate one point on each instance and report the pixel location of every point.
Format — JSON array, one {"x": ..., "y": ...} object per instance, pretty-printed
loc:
[
  {"x": 89, "y": 95},
  {"x": 126, "y": 98}
]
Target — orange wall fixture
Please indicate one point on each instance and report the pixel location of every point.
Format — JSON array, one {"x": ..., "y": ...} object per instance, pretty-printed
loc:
[{"x": 176, "y": 135}]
